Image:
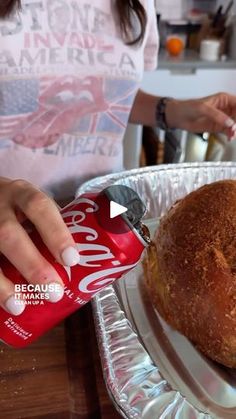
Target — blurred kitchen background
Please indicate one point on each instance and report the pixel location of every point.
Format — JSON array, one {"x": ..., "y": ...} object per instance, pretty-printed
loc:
[{"x": 197, "y": 57}]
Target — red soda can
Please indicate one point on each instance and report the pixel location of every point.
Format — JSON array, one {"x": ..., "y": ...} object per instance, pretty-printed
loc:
[{"x": 105, "y": 255}]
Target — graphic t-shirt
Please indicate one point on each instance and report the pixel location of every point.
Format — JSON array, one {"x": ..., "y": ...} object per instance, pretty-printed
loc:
[{"x": 67, "y": 85}]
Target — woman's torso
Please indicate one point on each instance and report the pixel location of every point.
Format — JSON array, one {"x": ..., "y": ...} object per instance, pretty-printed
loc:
[{"x": 67, "y": 84}]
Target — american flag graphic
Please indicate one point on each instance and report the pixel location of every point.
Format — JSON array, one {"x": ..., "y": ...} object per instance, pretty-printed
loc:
[
  {"x": 18, "y": 99},
  {"x": 36, "y": 112}
]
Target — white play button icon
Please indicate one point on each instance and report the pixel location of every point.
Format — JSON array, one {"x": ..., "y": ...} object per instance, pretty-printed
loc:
[
  {"x": 119, "y": 200},
  {"x": 116, "y": 209}
]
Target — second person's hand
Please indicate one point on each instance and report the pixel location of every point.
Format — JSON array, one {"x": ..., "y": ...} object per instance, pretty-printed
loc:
[
  {"x": 216, "y": 113},
  {"x": 19, "y": 200}
]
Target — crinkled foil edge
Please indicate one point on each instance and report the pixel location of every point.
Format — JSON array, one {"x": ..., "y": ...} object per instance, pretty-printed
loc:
[{"x": 133, "y": 381}]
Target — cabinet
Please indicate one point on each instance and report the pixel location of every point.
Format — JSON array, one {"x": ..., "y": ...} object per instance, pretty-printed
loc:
[{"x": 189, "y": 83}]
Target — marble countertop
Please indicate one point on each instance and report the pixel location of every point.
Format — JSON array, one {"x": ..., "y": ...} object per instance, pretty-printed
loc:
[{"x": 190, "y": 60}]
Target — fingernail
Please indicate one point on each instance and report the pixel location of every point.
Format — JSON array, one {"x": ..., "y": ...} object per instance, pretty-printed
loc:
[
  {"x": 229, "y": 122},
  {"x": 56, "y": 292},
  {"x": 14, "y": 306},
  {"x": 70, "y": 256}
]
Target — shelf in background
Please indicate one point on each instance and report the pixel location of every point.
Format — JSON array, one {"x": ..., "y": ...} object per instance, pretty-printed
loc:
[{"x": 190, "y": 60}]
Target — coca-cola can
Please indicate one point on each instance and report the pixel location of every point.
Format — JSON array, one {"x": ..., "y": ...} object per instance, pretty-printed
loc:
[{"x": 105, "y": 255}]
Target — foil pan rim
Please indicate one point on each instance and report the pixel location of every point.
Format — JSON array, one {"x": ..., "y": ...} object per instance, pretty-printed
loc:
[
  {"x": 100, "y": 182},
  {"x": 162, "y": 395}
]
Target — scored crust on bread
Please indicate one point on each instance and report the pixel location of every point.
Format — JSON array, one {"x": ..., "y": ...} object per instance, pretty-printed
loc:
[{"x": 190, "y": 269}]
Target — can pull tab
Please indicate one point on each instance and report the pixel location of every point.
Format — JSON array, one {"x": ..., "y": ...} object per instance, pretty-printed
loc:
[
  {"x": 144, "y": 232},
  {"x": 127, "y": 197}
]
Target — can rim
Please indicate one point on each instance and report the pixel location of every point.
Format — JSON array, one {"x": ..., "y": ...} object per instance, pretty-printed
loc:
[
  {"x": 144, "y": 242},
  {"x": 139, "y": 236}
]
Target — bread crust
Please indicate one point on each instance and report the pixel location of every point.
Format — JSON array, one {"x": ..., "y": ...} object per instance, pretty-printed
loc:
[{"x": 190, "y": 269}]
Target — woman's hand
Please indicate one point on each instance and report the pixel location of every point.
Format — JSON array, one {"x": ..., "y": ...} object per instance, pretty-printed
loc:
[
  {"x": 216, "y": 113},
  {"x": 20, "y": 200}
]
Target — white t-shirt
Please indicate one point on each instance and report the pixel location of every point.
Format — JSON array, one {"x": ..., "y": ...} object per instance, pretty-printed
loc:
[{"x": 67, "y": 85}]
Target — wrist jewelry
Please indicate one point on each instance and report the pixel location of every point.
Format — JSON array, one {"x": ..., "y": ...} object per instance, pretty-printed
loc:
[{"x": 161, "y": 113}]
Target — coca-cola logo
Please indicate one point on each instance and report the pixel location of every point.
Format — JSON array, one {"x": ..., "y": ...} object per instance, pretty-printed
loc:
[{"x": 92, "y": 255}]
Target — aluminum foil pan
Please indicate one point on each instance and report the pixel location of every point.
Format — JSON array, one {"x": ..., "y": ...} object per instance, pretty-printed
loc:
[{"x": 151, "y": 371}]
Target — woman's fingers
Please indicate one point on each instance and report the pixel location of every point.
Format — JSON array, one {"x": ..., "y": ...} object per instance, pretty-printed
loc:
[
  {"x": 8, "y": 300},
  {"x": 230, "y": 128},
  {"x": 45, "y": 215},
  {"x": 17, "y": 247},
  {"x": 222, "y": 110},
  {"x": 216, "y": 116},
  {"x": 20, "y": 200},
  {"x": 216, "y": 120},
  {"x": 216, "y": 113}
]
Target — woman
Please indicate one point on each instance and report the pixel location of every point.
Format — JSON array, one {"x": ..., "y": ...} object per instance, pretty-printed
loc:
[{"x": 69, "y": 82}]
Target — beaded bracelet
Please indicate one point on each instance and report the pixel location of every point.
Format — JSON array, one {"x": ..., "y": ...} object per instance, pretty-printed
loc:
[{"x": 161, "y": 113}]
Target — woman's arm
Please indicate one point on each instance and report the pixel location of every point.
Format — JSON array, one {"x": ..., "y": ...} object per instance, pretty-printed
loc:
[
  {"x": 216, "y": 113},
  {"x": 144, "y": 109}
]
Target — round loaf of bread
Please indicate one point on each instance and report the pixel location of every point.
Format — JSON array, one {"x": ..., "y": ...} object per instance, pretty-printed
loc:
[{"x": 190, "y": 269}]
